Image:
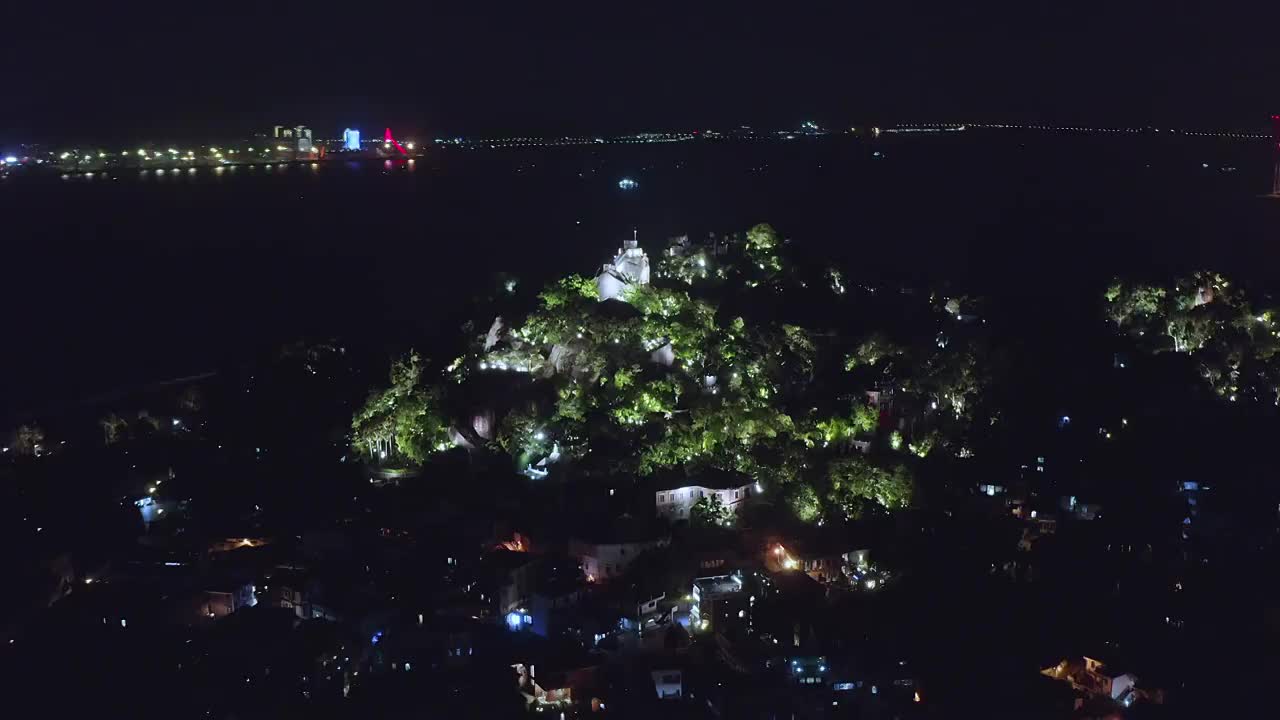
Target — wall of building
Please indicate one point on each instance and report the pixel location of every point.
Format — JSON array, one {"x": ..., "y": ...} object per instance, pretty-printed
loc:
[
  {"x": 668, "y": 684},
  {"x": 601, "y": 561},
  {"x": 676, "y": 504}
]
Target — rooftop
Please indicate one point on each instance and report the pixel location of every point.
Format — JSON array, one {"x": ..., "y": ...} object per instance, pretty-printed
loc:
[{"x": 718, "y": 584}]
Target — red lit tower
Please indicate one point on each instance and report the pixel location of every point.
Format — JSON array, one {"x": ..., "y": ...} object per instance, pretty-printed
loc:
[{"x": 387, "y": 139}]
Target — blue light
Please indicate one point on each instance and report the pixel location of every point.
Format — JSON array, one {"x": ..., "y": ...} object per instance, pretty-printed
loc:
[
  {"x": 376, "y": 637},
  {"x": 11, "y": 159},
  {"x": 513, "y": 620},
  {"x": 350, "y": 139}
]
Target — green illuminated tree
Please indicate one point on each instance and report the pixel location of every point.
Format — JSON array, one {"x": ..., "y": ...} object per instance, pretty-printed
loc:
[
  {"x": 861, "y": 421},
  {"x": 419, "y": 426},
  {"x": 523, "y": 434},
  {"x": 762, "y": 238},
  {"x": 1138, "y": 303},
  {"x": 762, "y": 247},
  {"x": 855, "y": 483},
  {"x": 569, "y": 291},
  {"x": 804, "y": 502},
  {"x": 871, "y": 351},
  {"x": 709, "y": 511},
  {"x": 113, "y": 428},
  {"x": 405, "y": 419}
]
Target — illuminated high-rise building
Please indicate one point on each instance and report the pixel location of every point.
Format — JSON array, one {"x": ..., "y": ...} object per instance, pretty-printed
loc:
[
  {"x": 295, "y": 138},
  {"x": 350, "y": 139}
]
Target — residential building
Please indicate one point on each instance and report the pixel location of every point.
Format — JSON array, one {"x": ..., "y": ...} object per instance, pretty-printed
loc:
[
  {"x": 1096, "y": 678},
  {"x": 808, "y": 670},
  {"x": 222, "y": 600},
  {"x": 669, "y": 684},
  {"x": 559, "y": 694},
  {"x": 676, "y": 503},
  {"x": 608, "y": 557},
  {"x": 304, "y": 596},
  {"x": 508, "y": 579},
  {"x": 825, "y": 558},
  {"x": 717, "y": 600}
]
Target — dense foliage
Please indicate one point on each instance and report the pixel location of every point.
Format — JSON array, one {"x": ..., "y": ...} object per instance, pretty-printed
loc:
[
  {"x": 403, "y": 420},
  {"x": 1230, "y": 333},
  {"x": 699, "y": 373}
]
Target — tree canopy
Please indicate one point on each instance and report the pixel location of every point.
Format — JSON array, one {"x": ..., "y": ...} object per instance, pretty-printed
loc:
[
  {"x": 1230, "y": 332},
  {"x": 697, "y": 372}
]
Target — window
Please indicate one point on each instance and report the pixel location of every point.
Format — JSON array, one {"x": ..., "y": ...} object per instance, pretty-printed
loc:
[
  {"x": 662, "y": 497},
  {"x": 737, "y": 494}
]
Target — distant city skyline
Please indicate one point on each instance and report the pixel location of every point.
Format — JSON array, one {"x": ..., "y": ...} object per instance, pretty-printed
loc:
[{"x": 345, "y": 135}]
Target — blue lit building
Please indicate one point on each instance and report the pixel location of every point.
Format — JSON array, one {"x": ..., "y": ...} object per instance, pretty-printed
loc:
[{"x": 350, "y": 139}]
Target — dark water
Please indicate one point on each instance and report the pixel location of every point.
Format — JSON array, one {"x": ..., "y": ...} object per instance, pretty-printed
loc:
[{"x": 132, "y": 277}]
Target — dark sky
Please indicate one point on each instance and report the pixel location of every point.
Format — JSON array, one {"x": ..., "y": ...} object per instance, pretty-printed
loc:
[{"x": 121, "y": 70}]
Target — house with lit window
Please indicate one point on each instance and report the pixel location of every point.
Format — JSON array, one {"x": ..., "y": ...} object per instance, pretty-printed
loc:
[
  {"x": 225, "y": 598},
  {"x": 824, "y": 556},
  {"x": 605, "y": 553},
  {"x": 808, "y": 670},
  {"x": 668, "y": 683},
  {"x": 675, "y": 503},
  {"x": 726, "y": 604},
  {"x": 1100, "y": 679}
]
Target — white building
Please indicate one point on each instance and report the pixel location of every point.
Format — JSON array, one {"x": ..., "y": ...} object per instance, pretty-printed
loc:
[
  {"x": 630, "y": 266},
  {"x": 299, "y": 137},
  {"x": 668, "y": 683},
  {"x": 605, "y": 560},
  {"x": 675, "y": 504}
]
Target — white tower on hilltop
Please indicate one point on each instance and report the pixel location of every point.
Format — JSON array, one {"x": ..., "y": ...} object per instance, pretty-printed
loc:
[{"x": 630, "y": 266}]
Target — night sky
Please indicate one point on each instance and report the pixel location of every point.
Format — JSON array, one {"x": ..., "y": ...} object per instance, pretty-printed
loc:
[{"x": 74, "y": 70}]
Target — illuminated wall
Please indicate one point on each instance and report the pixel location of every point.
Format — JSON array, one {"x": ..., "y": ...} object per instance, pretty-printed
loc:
[{"x": 351, "y": 139}]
